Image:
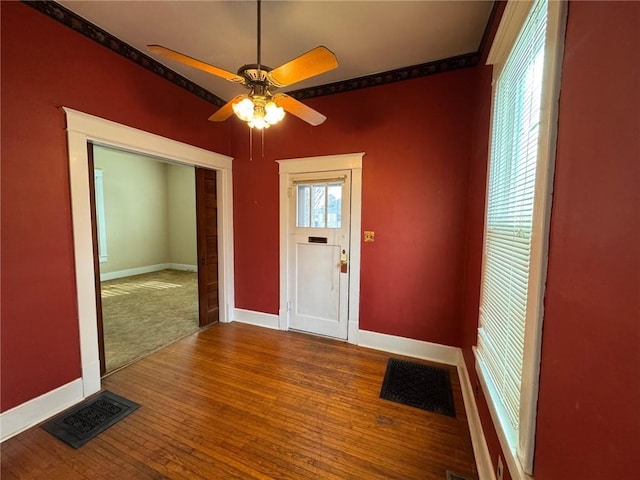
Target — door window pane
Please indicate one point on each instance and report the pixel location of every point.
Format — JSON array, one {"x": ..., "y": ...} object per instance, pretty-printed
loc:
[
  {"x": 318, "y": 201},
  {"x": 304, "y": 206},
  {"x": 319, "y": 205},
  {"x": 334, "y": 205}
]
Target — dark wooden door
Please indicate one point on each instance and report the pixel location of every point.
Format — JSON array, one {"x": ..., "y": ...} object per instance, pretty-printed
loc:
[
  {"x": 96, "y": 259},
  {"x": 207, "y": 220}
]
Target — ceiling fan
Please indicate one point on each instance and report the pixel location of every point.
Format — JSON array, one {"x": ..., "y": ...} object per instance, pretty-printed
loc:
[{"x": 261, "y": 108}]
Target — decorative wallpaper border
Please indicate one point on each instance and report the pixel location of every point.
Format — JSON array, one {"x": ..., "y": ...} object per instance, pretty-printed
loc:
[
  {"x": 391, "y": 76},
  {"x": 95, "y": 33}
]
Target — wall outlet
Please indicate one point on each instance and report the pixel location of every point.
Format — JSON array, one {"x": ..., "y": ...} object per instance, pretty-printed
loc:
[{"x": 500, "y": 469}]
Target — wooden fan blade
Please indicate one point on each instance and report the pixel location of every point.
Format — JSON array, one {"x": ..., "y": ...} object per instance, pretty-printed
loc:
[
  {"x": 226, "y": 110},
  {"x": 307, "y": 65},
  {"x": 299, "y": 109},
  {"x": 192, "y": 62}
]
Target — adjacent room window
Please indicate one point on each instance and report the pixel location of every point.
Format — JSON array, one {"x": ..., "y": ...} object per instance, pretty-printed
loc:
[
  {"x": 522, "y": 151},
  {"x": 319, "y": 205},
  {"x": 100, "y": 216}
]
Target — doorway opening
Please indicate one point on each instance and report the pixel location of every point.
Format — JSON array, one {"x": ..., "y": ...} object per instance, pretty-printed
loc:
[
  {"x": 82, "y": 129},
  {"x": 145, "y": 220}
]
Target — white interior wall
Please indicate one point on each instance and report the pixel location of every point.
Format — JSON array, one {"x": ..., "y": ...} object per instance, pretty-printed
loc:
[
  {"x": 149, "y": 212},
  {"x": 181, "y": 211}
]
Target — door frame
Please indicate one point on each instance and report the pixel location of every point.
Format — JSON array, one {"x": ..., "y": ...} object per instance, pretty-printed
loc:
[
  {"x": 83, "y": 128},
  {"x": 203, "y": 252},
  {"x": 297, "y": 166},
  {"x": 93, "y": 205}
]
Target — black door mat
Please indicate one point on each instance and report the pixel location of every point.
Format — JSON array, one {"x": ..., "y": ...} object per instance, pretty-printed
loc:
[
  {"x": 79, "y": 424},
  {"x": 418, "y": 385},
  {"x": 455, "y": 476}
]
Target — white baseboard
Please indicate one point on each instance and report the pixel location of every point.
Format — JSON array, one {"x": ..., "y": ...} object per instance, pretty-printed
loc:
[
  {"x": 480, "y": 449},
  {"x": 410, "y": 347},
  {"x": 183, "y": 266},
  {"x": 30, "y": 413},
  {"x": 36, "y": 410},
  {"x": 91, "y": 377},
  {"x": 449, "y": 356},
  {"x": 147, "y": 269},
  {"x": 259, "y": 319}
]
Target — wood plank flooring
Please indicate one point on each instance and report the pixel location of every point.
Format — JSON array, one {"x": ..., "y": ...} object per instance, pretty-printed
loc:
[{"x": 243, "y": 402}]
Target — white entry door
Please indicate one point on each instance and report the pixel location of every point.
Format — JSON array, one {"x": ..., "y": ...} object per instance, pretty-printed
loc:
[{"x": 319, "y": 253}]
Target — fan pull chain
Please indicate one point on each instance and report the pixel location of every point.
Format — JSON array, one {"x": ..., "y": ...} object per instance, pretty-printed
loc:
[
  {"x": 263, "y": 143},
  {"x": 250, "y": 144}
]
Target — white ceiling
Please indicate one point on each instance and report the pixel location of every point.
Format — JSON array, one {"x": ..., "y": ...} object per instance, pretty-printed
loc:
[{"x": 367, "y": 36}]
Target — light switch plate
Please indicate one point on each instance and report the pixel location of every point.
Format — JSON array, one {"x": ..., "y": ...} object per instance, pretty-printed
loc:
[{"x": 369, "y": 236}]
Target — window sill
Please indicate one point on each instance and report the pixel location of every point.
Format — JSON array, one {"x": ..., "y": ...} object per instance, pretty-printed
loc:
[{"x": 497, "y": 415}]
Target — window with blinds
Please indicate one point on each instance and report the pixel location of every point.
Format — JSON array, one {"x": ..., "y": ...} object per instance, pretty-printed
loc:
[{"x": 509, "y": 217}]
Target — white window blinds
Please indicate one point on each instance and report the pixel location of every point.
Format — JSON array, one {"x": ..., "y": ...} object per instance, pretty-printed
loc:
[{"x": 509, "y": 218}]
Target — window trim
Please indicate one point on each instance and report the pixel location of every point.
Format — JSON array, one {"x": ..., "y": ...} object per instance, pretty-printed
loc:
[{"x": 519, "y": 458}]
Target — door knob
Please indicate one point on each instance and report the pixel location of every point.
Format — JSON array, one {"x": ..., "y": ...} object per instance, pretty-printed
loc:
[{"x": 344, "y": 262}]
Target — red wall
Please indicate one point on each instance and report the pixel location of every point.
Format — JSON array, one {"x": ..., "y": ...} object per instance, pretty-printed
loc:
[
  {"x": 416, "y": 136},
  {"x": 589, "y": 403},
  {"x": 588, "y": 417},
  {"x": 423, "y": 194},
  {"x": 46, "y": 65}
]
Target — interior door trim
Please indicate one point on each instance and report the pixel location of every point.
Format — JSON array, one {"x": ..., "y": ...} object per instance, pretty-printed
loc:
[
  {"x": 96, "y": 258},
  {"x": 296, "y": 166},
  {"x": 83, "y": 128}
]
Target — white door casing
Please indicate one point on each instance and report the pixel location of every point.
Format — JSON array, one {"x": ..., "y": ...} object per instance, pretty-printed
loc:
[
  {"x": 83, "y": 128},
  {"x": 291, "y": 170},
  {"x": 319, "y": 221}
]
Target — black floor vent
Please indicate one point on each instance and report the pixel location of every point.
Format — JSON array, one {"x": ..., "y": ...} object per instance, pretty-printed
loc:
[
  {"x": 83, "y": 422},
  {"x": 455, "y": 476}
]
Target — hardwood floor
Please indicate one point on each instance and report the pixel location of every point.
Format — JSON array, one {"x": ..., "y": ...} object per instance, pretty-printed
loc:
[{"x": 237, "y": 401}]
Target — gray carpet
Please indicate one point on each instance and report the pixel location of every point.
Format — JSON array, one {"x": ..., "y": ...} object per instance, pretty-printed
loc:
[{"x": 144, "y": 313}]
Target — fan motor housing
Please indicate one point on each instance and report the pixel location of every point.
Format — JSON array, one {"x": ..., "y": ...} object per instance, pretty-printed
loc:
[{"x": 254, "y": 74}]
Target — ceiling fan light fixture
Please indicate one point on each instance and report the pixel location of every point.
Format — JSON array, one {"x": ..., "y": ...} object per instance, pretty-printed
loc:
[
  {"x": 244, "y": 109},
  {"x": 260, "y": 108},
  {"x": 259, "y": 112},
  {"x": 273, "y": 113},
  {"x": 258, "y": 122}
]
